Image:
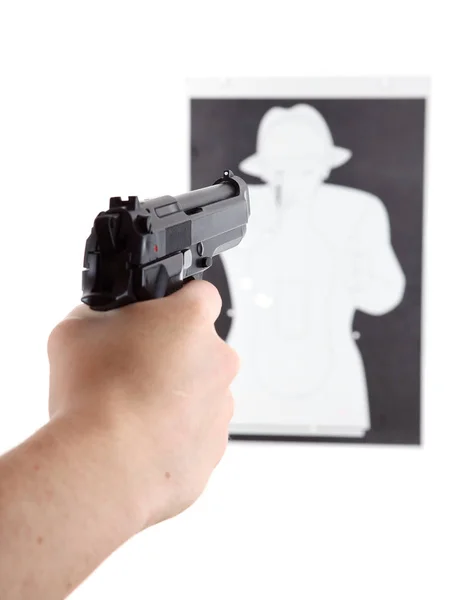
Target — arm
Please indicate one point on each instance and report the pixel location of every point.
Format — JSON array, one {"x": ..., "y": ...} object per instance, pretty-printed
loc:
[
  {"x": 378, "y": 282},
  {"x": 66, "y": 503},
  {"x": 138, "y": 423}
]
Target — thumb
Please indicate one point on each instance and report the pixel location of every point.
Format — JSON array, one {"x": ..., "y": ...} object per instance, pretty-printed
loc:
[
  {"x": 82, "y": 311},
  {"x": 202, "y": 294}
]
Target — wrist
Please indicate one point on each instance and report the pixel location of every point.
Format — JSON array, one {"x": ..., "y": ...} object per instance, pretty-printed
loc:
[
  {"x": 68, "y": 500},
  {"x": 103, "y": 445}
]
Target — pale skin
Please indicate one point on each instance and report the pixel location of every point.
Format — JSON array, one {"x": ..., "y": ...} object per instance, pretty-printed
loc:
[{"x": 139, "y": 414}]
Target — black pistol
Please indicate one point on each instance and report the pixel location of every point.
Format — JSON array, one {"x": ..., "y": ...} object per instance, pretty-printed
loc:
[{"x": 144, "y": 250}]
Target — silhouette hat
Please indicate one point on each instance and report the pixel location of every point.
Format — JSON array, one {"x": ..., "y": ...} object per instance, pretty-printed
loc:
[{"x": 293, "y": 137}]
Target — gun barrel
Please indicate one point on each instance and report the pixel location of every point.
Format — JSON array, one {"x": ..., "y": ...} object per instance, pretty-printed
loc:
[{"x": 207, "y": 195}]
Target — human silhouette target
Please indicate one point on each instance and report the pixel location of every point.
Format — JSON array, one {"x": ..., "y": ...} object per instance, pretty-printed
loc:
[{"x": 322, "y": 299}]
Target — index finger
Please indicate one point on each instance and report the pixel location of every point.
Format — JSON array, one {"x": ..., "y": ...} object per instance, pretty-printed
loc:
[{"x": 201, "y": 294}]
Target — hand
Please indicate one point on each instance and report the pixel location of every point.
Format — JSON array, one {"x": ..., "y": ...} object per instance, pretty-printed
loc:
[{"x": 155, "y": 376}]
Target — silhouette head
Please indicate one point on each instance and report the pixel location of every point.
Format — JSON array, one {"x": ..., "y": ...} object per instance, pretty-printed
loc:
[{"x": 294, "y": 149}]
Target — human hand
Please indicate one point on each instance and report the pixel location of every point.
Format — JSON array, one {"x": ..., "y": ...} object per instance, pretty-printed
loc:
[{"x": 155, "y": 376}]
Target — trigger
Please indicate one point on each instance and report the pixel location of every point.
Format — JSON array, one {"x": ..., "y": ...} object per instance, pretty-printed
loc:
[{"x": 187, "y": 260}]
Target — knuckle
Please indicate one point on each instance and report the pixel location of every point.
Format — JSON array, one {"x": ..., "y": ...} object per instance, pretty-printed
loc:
[
  {"x": 228, "y": 362},
  {"x": 186, "y": 307},
  {"x": 197, "y": 306},
  {"x": 209, "y": 292},
  {"x": 204, "y": 299},
  {"x": 232, "y": 361},
  {"x": 62, "y": 334}
]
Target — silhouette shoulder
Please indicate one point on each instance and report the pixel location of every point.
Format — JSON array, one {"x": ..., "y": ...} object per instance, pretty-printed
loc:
[{"x": 352, "y": 204}]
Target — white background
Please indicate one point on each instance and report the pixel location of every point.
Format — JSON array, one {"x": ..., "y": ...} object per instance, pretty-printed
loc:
[{"x": 92, "y": 104}]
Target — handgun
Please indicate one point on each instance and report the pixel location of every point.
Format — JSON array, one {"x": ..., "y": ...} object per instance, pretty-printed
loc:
[{"x": 139, "y": 251}]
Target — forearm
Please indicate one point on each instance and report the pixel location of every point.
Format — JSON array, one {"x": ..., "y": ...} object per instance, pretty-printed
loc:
[{"x": 67, "y": 501}]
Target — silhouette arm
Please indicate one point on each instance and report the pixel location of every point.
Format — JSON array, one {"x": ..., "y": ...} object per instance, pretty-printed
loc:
[{"x": 378, "y": 281}]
